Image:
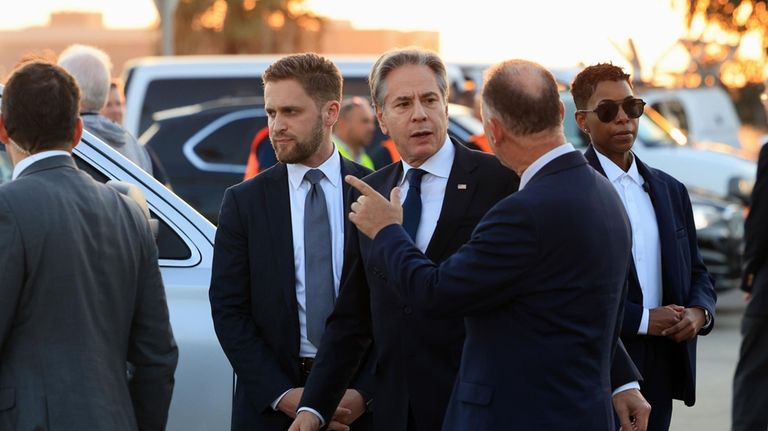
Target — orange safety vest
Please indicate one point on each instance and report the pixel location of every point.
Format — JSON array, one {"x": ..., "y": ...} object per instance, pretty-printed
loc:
[
  {"x": 252, "y": 168},
  {"x": 389, "y": 144},
  {"x": 481, "y": 142}
]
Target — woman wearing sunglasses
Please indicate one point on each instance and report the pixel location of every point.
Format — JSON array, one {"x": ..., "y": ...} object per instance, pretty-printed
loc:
[{"x": 671, "y": 298}]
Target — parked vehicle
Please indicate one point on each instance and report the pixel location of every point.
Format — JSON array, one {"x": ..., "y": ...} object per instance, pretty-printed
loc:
[
  {"x": 202, "y": 398},
  {"x": 705, "y": 114},
  {"x": 154, "y": 84},
  {"x": 205, "y": 146}
]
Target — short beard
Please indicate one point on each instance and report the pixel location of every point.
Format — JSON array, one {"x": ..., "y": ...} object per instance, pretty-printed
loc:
[{"x": 304, "y": 149}]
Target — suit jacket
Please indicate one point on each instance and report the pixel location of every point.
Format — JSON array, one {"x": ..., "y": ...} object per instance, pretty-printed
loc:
[
  {"x": 756, "y": 242},
  {"x": 685, "y": 280},
  {"x": 417, "y": 356},
  {"x": 80, "y": 295},
  {"x": 253, "y": 296},
  {"x": 540, "y": 285}
]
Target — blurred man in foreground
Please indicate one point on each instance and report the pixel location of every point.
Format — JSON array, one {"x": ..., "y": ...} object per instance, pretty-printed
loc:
[{"x": 80, "y": 288}]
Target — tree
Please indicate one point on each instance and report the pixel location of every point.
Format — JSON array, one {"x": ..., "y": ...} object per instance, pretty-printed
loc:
[
  {"x": 245, "y": 26},
  {"x": 723, "y": 26},
  {"x": 732, "y": 38}
]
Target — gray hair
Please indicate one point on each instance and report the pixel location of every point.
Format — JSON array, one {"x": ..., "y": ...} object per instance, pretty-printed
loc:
[
  {"x": 394, "y": 59},
  {"x": 90, "y": 67}
]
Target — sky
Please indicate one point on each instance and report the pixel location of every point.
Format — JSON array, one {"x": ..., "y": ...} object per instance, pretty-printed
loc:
[{"x": 554, "y": 33}]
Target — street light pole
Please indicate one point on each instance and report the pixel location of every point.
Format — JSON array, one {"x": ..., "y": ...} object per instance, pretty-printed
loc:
[{"x": 166, "y": 9}]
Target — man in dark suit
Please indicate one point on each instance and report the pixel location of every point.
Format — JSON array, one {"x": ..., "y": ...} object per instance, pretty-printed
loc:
[
  {"x": 417, "y": 356},
  {"x": 390, "y": 278},
  {"x": 750, "y": 399},
  {"x": 80, "y": 289},
  {"x": 279, "y": 248},
  {"x": 671, "y": 298}
]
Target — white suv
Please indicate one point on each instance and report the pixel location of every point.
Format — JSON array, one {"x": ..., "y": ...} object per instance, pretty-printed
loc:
[{"x": 154, "y": 84}]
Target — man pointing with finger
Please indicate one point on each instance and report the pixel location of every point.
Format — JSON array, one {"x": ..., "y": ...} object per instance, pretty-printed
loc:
[
  {"x": 446, "y": 190},
  {"x": 540, "y": 283}
]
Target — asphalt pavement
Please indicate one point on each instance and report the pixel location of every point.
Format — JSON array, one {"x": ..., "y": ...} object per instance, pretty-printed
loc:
[{"x": 717, "y": 356}]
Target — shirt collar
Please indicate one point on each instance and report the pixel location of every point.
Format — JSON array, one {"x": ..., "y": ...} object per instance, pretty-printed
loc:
[
  {"x": 28, "y": 161},
  {"x": 542, "y": 161},
  {"x": 439, "y": 164},
  {"x": 331, "y": 168},
  {"x": 614, "y": 173}
]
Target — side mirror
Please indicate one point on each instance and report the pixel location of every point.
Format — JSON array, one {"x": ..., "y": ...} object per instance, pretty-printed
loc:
[
  {"x": 137, "y": 195},
  {"x": 741, "y": 189}
]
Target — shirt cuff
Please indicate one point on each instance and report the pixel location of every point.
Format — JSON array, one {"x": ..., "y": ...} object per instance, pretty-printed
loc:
[
  {"x": 644, "y": 321},
  {"x": 314, "y": 412},
  {"x": 277, "y": 401},
  {"x": 628, "y": 386}
]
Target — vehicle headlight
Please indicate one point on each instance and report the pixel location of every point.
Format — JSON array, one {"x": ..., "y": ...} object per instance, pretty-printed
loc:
[
  {"x": 734, "y": 215},
  {"x": 705, "y": 215}
]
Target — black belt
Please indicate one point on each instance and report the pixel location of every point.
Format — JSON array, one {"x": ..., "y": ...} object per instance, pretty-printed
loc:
[{"x": 305, "y": 364}]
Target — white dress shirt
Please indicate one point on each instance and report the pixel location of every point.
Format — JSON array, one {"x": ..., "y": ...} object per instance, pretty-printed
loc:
[
  {"x": 298, "y": 188},
  {"x": 542, "y": 161},
  {"x": 433, "y": 184},
  {"x": 646, "y": 246},
  {"x": 26, "y": 162}
]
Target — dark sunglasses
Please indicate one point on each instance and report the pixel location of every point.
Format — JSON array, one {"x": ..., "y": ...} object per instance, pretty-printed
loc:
[{"x": 606, "y": 111}]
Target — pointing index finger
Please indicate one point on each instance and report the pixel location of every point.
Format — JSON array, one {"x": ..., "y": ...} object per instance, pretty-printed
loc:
[{"x": 360, "y": 185}]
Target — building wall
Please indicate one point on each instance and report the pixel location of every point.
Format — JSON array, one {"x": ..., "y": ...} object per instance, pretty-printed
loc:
[{"x": 66, "y": 28}]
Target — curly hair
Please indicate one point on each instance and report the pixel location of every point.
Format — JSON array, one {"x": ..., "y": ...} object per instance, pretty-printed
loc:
[{"x": 586, "y": 81}]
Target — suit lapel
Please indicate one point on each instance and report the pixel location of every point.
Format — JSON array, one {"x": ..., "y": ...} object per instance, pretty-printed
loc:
[
  {"x": 461, "y": 186},
  {"x": 348, "y": 168},
  {"x": 635, "y": 293},
  {"x": 278, "y": 207},
  {"x": 662, "y": 206}
]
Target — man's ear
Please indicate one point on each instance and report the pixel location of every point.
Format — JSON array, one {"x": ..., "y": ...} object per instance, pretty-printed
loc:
[
  {"x": 497, "y": 131},
  {"x": 380, "y": 118},
  {"x": 78, "y": 133},
  {"x": 332, "y": 112}
]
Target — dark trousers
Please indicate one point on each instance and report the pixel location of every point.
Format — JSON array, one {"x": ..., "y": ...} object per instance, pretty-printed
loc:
[
  {"x": 750, "y": 383},
  {"x": 656, "y": 369}
]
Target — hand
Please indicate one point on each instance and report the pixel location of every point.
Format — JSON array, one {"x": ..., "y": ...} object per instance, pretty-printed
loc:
[
  {"x": 747, "y": 296},
  {"x": 692, "y": 321},
  {"x": 307, "y": 421},
  {"x": 632, "y": 409},
  {"x": 351, "y": 407},
  {"x": 371, "y": 212},
  {"x": 661, "y": 318},
  {"x": 290, "y": 402}
]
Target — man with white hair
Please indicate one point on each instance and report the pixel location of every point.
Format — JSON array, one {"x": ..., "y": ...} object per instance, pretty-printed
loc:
[{"x": 90, "y": 67}]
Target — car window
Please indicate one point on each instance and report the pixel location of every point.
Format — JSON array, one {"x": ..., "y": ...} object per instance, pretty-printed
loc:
[
  {"x": 674, "y": 112},
  {"x": 230, "y": 143},
  {"x": 164, "y": 94},
  {"x": 169, "y": 244}
]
